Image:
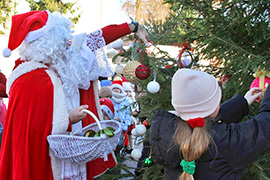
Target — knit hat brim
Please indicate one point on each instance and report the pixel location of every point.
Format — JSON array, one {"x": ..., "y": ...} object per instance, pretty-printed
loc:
[{"x": 117, "y": 86}]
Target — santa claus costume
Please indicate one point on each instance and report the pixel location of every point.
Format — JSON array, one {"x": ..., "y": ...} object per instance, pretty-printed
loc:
[{"x": 49, "y": 79}]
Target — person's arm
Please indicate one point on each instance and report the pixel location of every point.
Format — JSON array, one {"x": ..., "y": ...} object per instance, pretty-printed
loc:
[
  {"x": 248, "y": 140},
  {"x": 234, "y": 109},
  {"x": 113, "y": 32}
]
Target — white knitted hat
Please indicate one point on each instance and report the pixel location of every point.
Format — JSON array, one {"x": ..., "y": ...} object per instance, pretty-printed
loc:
[
  {"x": 127, "y": 86},
  {"x": 117, "y": 84},
  {"x": 194, "y": 94}
]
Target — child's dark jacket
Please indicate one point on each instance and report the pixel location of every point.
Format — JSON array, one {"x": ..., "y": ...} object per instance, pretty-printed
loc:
[{"x": 237, "y": 144}]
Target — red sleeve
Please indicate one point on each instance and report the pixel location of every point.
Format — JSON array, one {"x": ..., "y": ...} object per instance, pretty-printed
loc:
[
  {"x": 69, "y": 126},
  {"x": 113, "y": 32}
]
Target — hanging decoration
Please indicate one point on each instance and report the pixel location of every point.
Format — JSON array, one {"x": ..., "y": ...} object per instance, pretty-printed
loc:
[
  {"x": 262, "y": 80},
  {"x": 134, "y": 132},
  {"x": 185, "y": 57},
  {"x": 149, "y": 161},
  {"x": 153, "y": 86},
  {"x": 119, "y": 69},
  {"x": 140, "y": 129},
  {"x": 117, "y": 45},
  {"x": 136, "y": 153},
  {"x": 224, "y": 79},
  {"x": 142, "y": 71},
  {"x": 129, "y": 71},
  {"x": 146, "y": 124}
]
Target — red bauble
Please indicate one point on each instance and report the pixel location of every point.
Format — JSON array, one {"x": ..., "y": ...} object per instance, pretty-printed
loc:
[
  {"x": 145, "y": 123},
  {"x": 142, "y": 72}
]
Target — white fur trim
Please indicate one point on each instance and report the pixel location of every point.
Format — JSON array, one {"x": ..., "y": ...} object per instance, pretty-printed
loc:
[
  {"x": 21, "y": 70},
  {"x": 60, "y": 119},
  {"x": 6, "y": 52},
  {"x": 61, "y": 114},
  {"x": 33, "y": 35},
  {"x": 107, "y": 110},
  {"x": 77, "y": 41}
]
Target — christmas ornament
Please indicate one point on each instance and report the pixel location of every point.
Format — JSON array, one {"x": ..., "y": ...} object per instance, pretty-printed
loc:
[
  {"x": 145, "y": 123},
  {"x": 119, "y": 69},
  {"x": 148, "y": 162},
  {"x": 117, "y": 45},
  {"x": 142, "y": 72},
  {"x": 153, "y": 87},
  {"x": 224, "y": 79},
  {"x": 184, "y": 58},
  {"x": 134, "y": 132},
  {"x": 140, "y": 129},
  {"x": 129, "y": 71},
  {"x": 262, "y": 80},
  {"x": 136, "y": 153}
]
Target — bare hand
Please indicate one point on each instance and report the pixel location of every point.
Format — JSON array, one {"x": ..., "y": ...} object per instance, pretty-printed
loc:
[
  {"x": 253, "y": 94},
  {"x": 76, "y": 114},
  {"x": 142, "y": 34},
  {"x": 117, "y": 119}
]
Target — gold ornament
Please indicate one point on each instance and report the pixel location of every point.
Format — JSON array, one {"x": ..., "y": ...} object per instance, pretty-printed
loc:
[{"x": 129, "y": 71}]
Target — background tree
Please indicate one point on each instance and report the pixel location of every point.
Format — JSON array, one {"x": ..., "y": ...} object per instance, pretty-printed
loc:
[
  {"x": 6, "y": 10},
  {"x": 68, "y": 8},
  {"x": 147, "y": 10}
]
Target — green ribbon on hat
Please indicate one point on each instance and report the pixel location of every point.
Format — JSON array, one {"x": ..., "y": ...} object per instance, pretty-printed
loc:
[{"x": 188, "y": 167}]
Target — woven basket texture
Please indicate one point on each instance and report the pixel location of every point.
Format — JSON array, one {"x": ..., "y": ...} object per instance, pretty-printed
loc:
[{"x": 80, "y": 149}]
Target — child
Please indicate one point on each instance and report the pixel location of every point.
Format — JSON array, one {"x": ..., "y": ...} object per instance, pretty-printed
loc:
[
  {"x": 107, "y": 108},
  {"x": 105, "y": 92},
  {"x": 210, "y": 148},
  {"x": 130, "y": 94},
  {"x": 122, "y": 108}
]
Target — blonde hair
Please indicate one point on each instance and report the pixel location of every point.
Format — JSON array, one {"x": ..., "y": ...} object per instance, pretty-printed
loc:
[{"x": 192, "y": 143}]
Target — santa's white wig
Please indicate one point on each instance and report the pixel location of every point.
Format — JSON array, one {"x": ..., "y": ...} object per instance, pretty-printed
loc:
[{"x": 54, "y": 50}]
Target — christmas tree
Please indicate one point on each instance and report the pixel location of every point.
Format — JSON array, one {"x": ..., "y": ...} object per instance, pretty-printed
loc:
[{"x": 229, "y": 39}]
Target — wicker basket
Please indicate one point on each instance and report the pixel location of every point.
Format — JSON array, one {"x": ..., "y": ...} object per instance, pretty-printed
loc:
[{"x": 80, "y": 149}]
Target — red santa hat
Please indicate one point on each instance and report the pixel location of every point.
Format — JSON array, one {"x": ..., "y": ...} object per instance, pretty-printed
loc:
[
  {"x": 29, "y": 27},
  {"x": 117, "y": 84},
  {"x": 107, "y": 106}
]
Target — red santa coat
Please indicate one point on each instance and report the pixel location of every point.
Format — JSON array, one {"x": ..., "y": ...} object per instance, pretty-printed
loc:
[{"x": 33, "y": 109}]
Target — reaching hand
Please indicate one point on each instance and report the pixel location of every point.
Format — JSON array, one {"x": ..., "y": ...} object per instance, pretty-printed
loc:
[
  {"x": 253, "y": 94},
  {"x": 142, "y": 34},
  {"x": 76, "y": 114}
]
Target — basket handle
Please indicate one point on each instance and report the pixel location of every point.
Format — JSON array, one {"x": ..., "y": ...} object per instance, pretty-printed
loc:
[{"x": 94, "y": 116}]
